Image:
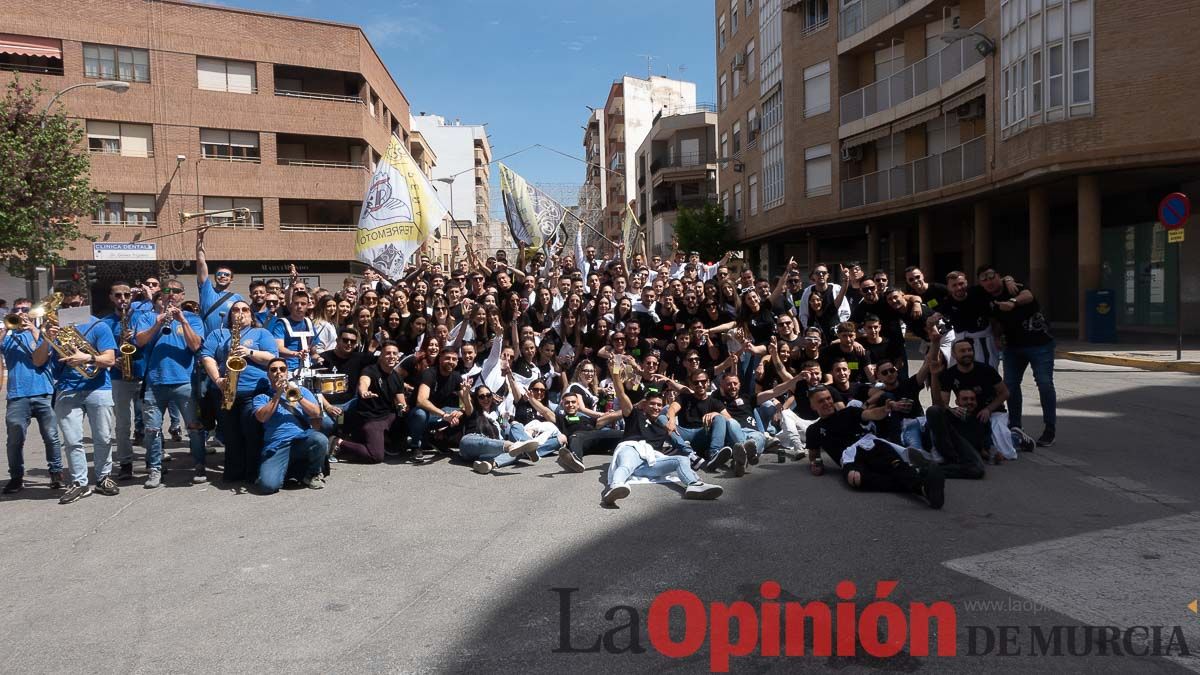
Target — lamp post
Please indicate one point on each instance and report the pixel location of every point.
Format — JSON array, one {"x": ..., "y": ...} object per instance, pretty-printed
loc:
[
  {"x": 454, "y": 218},
  {"x": 985, "y": 45},
  {"x": 115, "y": 86}
]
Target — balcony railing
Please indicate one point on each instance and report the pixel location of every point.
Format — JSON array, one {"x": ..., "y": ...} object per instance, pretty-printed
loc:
[
  {"x": 316, "y": 227},
  {"x": 124, "y": 223},
  {"x": 682, "y": 161},
  {"x": 318, "y": 96},
  {"x": 685, "y": 110},
  {"x": 27, "y": 68},
  {"x": 321, "y": 163},
  {"x": 120, "y": 153},
  {"x": 956, "y": 165},
  {"x": 857, "y": 17},
  {"x": 924, "y": 75}
]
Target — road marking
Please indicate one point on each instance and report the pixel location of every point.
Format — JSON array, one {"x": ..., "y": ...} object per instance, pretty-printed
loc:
[
  {"x": 1134, "y": 575},
  {"x": 1132, "y": 489}
]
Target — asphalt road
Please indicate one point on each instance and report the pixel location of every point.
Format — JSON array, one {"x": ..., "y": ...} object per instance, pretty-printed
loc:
[{"x": 397, "y": 568}]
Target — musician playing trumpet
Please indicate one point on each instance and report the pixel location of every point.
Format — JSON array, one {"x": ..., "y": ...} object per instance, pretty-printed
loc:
[
  {"x": 292, "y": 447},
  {"x": 256, "y": 347},
  {"x": 83, "y": 387},
  {"x": 28, "y": 396},
  {"x": 170, "y": 343}
]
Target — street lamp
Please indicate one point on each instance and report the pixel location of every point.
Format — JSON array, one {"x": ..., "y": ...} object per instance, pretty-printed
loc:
[
  {"x": 985, "y": 45},
  {"x": 454, "y": 218},
  {"x": 115, "y": 86}
]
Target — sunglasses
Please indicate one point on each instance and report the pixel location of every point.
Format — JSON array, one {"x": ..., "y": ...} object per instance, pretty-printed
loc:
[
  {"x": 618, "y": 339},
  {"x": 349, "y": 340},
  {"x": 700, "y": 381},
  {"x": 484, "y": 396},
  {"x": 122, "y": 295},
  {"x": 223, "y": 274},
  {"x": 272, "y": 303},
  {"x": 172, "y": 291},
  {"x": 868, "y": 289},
  {"x": 694, "y": 358},
  {"x": 889, "y": 371},
  {"x": 539, "y": 390},
  {"x": 277, "y": 370}
]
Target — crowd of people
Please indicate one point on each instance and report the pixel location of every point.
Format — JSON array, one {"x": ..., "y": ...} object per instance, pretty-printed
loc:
[{"x": 675, "y": 368}]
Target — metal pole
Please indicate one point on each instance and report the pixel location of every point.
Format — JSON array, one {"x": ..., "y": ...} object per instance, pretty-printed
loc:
[{"x": 1179, "y": 302}]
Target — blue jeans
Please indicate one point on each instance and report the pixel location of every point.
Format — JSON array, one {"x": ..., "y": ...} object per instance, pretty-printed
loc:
[
  {"x": 627, "y": 462},
  {"x": 16, "y": 418},
  {"x": 302, "y": 458},
  {"x": 420, "y": 423},
  {"x": 158, "y": 399},
  {"x": 703, "y": 441},
  {"x": 1016, "y": 359},
  {"x": 70, "y": 407},
  {"x": 747, "y": 363},
  {"x": 477, "y": 447},
  {"x": 741, "y": 434},
  {"x": 125, "y": 393}
]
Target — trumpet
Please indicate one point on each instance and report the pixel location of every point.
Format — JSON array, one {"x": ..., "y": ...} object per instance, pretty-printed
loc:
[
  {"x": 292, "y": 394},
  {"x": 13, "y": 321}
]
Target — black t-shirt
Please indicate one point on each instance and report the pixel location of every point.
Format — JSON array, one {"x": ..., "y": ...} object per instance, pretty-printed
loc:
[
  {"x": 352, "y": 366},
  {"x": 934, "y": 296},
  {"x": 969, "y": 315},
  {"x": 742, "y": 410},
  {"x": 887, "y": 349},
  {"x": 639, "y": 349},
  {"x": 572, "y": 424},
  {"x": 855, "y": 391},
  {"x": 982, "y": 380},
  {"x": 857, "y": 364},
  {"x": 477, "y": 423},
  {"x": 692, "y": 410},
  {"x": 443, "y": 389},
  {"x": 836, "y": 432},
  {"x": 638, "y": 427},
  {"x": 761, "y": 326},
  {"x": 709, "y": 321},
  {"x": 644, "y": 389},
  {"x": 385, "y": 387},
  {"x": 804, "y": 410},
  {"x": 906, "y": 388},
  {"x": 892, "y": 327},
  {"x": 1024, "y": 326}
]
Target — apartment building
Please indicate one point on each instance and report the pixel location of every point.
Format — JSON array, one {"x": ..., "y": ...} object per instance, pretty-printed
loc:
[
  {"x": 1035, "y": 135},
  {"x": 593, "y": 194},
  {"x": 226, "y": 108},
  {"x": 676, "y": 167},
  {"x": 620, "y": 127}
]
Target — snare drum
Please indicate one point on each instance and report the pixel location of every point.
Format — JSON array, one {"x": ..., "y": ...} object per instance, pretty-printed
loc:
[{"x": 330, "y": 383}]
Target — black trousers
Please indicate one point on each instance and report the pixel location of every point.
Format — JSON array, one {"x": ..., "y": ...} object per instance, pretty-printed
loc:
[
  {"x": 881, "y": 470},
  {"x": 599, "y": 441},
  {"x": 243, "y": 436},
  {"x": 961, "y": 457}
]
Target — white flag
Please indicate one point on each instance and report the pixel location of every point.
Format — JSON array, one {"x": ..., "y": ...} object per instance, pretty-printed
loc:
[{"x": 399, "y": 213}]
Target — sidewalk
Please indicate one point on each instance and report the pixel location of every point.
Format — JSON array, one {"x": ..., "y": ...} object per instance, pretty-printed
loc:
[{"x": 1146, "y": 357}]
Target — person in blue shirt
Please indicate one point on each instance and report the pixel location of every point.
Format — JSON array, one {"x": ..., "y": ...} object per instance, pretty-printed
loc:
[
  {"x": 125, "y": 323},
  {"x": 170, "y": 342},
  {"x": 242, "y": 435},
  {"x": 78, "y": 395},
  {"x": 28, "y": 393},
  {"x": 295, "y": 335},
  {"x": 292, "y": 448},
  {"x": 216, "y": 292}
]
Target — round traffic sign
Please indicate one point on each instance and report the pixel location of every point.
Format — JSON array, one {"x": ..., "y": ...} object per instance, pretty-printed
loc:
[{"x": 1173, "y": 210}]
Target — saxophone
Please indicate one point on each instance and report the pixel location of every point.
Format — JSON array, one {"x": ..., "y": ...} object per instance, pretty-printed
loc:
[
  {"x": 127, "y": 347},
  {"x": 234, "y": 365},
  {"x": 69, "y": 339}
]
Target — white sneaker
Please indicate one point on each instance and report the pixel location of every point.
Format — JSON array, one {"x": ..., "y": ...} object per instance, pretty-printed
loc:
[
  {"x": 703, "y": 491},
  {"x": 481, "y": 467},
  {"x": 612, "y": 494},
  {"x": 526, "y": 449},
  {"x": 316, "y": 482}
]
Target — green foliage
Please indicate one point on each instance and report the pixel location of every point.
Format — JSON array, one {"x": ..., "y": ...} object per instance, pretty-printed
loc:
[
  {"x": 43, "y": 181},
  {"x": 705, "y": 230}
]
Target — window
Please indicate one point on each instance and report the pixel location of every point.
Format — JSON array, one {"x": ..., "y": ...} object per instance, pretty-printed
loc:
[
  {"x": 814, "y": 14},
  {"x": 120, "y": 138},
  {"x": 733, "y": 17},
  {"x": 750, "y": 58},
  {"x": 723, "y": 94},
  {"x": 725, "y": 203},
  {"x": 942, "y": 134},
  {"x": 816, "y": 89},
  {"x": 235, "y": 146},
  {"x": 725, "y": 145},
  {"x": 753, "y": 189},
  {"x": 889, "y": 61},
  {"x": 1081, "y": 71},
  {"x": 749, "y": 7},
  {"x": 752, "y": 124},
  {"x": 818, "y": 171},
  {"x": 116, "y": 63},
  {"x": 126, "y": 210},
  {"x": 238, "y": 77},
  {"x": 773, "y": 170},
  {"x": 220, "y": 203},
  {"x": 721, "y": 37},
  {"x": 737, "y": 84},
  {"x": 1046, "y": 62},
  {"x": 737, "y": 137},
  {"x": 889, "y": 152},
  {"x": 737, "y": 203}
]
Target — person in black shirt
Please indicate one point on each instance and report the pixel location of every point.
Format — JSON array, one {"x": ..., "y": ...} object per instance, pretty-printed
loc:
[
  {"x": 869, "y": 463},
  {"x": 483, "y": 442},
  {"x": 380, "y": 400},
  {"x": 959, "y": 437},
  {"x": 847, "y": 349},
  {"x": 842, "y": 384},
  {"x": 880, "y": 347},
  {"x": 581, "y": 431},
  {"x": 875, "y": 306},
  {"x": 968, "y": 308},
  {"x": 437, "y": 401},
  {"x": 990, "y": 392},
  {"x": 699, "y": 425},
  {"x": 894, "y": 386},
  {"x": 748, "y": 440},
  {"x": 640, "y": 453},
  {"x": 933, "y": 295},
  {"x": 1027, "y": 343},
  {"x": 345, "y": 359}
]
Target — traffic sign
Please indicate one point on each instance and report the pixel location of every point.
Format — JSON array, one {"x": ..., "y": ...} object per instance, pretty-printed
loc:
[
  {"x": 1173, "y": 210},
  {"x": 1175, "y": 236}
]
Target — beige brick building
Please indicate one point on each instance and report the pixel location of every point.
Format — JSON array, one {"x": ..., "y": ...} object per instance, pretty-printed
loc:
[
  {"x": 1036, "y": 135},
  {"x": 226, "y": 108}
]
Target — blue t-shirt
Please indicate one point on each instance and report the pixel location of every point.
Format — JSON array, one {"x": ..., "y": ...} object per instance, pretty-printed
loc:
[
  {"x": 254, "y": 377},
  {"x": 209, "y": 297},
  {"x": 24, "y": 378},
  {"x": 288, "y": 422},
  {"x": 139, "y": 320},
  {"x": 280, "y": 330},
  {"x": 100, "y": 336},
  {"x": 168, "y": 359}
]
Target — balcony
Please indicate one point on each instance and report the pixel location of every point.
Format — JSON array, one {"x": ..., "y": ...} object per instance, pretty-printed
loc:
[
  {"x": 320, "y": 151},
  {"x": 318, "y": 215},
  {"x": 921, "y": 77},
  {"x": 686, "y": 162},
  {"x": 685, "y": 110},
  {"x": 855, "y": 18},
  {"x": 318, "y": 84},
  {"x": 956, "y": 165}
]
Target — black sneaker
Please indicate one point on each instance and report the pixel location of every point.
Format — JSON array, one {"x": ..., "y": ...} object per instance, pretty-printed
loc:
[
  {"x": 14, "y": 486},
  {"x": 56, "y": 480},
  {"x": 718, "y": 460},
  {"x": 752, "y": 452},
  {"x": 107, "y": 487},
  {"x": 933, "y": 486},
  {"x": 75, "y": 493},
  {"x": 176, "y": 435},
  {"x": 739, "y": 459},
  {"x": 126, "y": 471},
  {"x": 1047, "y": 438},
  {"x": 200, "y": 475}
]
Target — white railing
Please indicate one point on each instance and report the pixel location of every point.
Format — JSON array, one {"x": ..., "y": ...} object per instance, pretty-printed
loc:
[
  {"x": 316, "y": 227},
  {"x": 319, "y": 96},
  {"x": 119, "y": 153},
  {"x": 924, "y": 75},
  {"x": 956, "y": 165},
  {"x": 321, "y": 163},
  {"x": 124, "y": 223},
  {"x": 863, "y": 13}
]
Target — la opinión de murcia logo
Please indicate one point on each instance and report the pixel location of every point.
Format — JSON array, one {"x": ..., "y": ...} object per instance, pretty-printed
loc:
[{"x": 679, "y": 624}]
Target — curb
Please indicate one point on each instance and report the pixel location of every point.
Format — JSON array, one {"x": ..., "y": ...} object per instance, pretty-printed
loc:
[{"x": 1191, "y": 367}]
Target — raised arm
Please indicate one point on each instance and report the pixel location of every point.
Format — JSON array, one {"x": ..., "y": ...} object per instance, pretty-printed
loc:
[
  {"x": 201, "y": 260},
  {"x": 622, "y": 397}
]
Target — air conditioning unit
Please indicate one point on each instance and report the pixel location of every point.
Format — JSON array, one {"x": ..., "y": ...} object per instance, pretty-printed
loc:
[
  {"x": 739, "y": 61},
  {"x": 852, "y": 154},
  {"x": 970, "y": 111}
]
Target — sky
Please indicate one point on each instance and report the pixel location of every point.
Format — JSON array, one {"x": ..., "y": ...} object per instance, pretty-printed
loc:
[{"x": 527, "y": 68}]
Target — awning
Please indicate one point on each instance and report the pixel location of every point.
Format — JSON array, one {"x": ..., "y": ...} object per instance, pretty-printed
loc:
[
  {"x": 788, "y": 4},
  {"x": 894, "y": 128},
  {"x": 30, "y": 46},
  {"x": 964, "y": 97}
]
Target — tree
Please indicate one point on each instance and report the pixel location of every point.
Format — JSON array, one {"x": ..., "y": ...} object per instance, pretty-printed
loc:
[
  {"x": 43, "y": 181},
  {"x": 705, "y": 230}
]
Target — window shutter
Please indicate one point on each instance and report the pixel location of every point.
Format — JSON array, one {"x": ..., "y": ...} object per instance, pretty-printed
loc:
[
  {"x": 210, "y": 74},
  {"x": 214, "y": 136},
  {"x": 243, "y": 139},
  {"x": 137, "y": 140},
  {"x": 242, "y": 77},
  {"x": 110, "y": 130}
]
